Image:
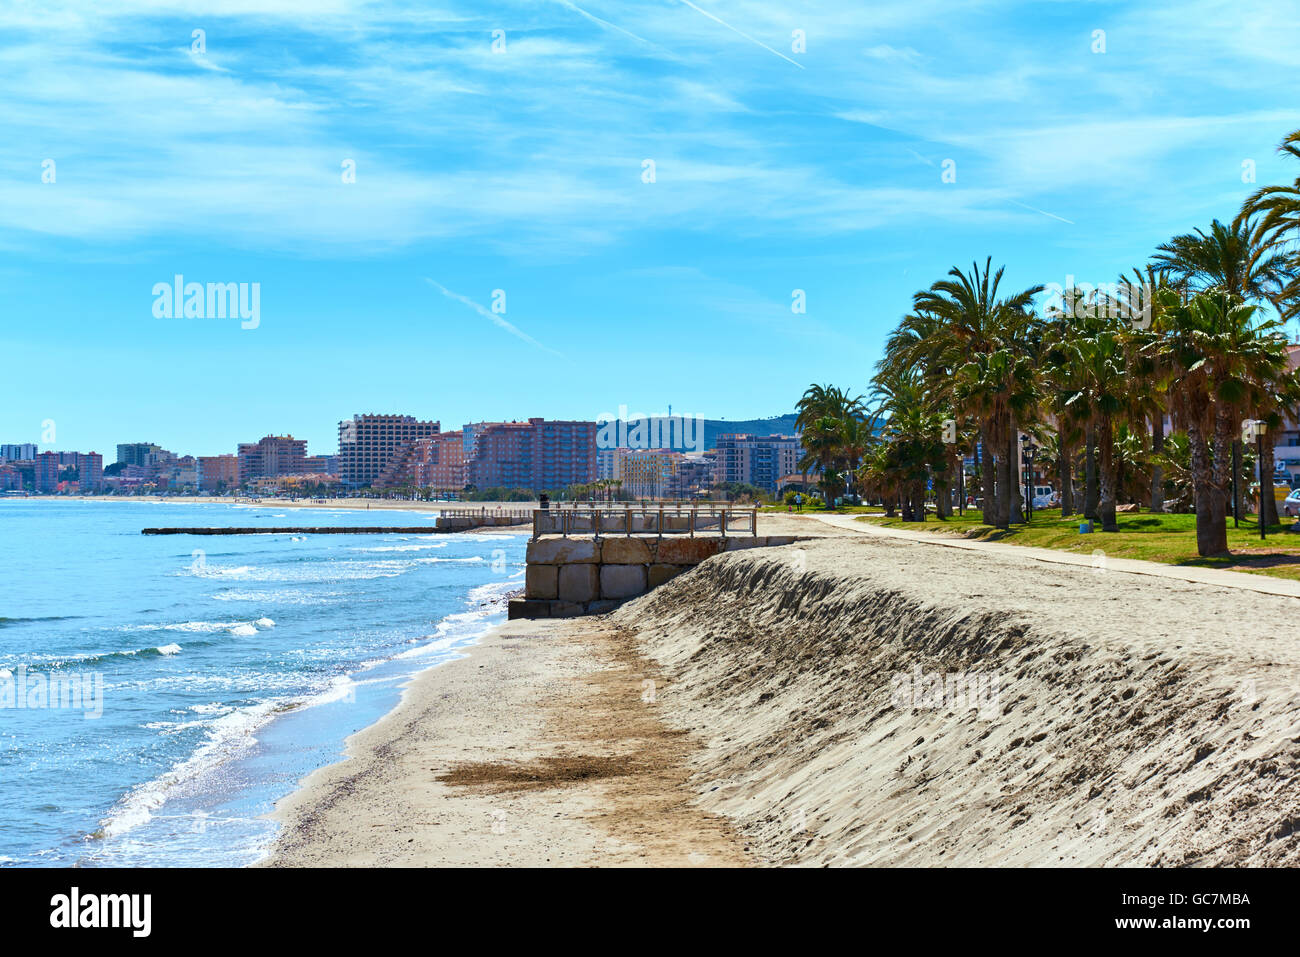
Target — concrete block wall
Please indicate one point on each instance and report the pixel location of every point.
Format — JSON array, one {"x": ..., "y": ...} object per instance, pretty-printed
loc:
[
  {"x": 460, "y": 523},
  {"x": 574, "y": 576}
]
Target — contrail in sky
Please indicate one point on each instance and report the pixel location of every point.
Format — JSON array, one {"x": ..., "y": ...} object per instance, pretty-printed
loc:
[
  {"x": 604, "y": 23},
  {"x": 740, "y": 33},
  {"x": 490, "y": 315}
]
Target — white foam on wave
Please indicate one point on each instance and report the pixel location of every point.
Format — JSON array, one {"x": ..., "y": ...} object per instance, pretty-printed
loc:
[
  {"x": 281, "y": 596},
  {"x": 172, "y": 649},
  {"x": 202, "y": 627},
  {"x": 228, "y": 735},
  {"x": 326, "y": 571},
  {"x": 422, "y": 547},
  {"x": 243, "y": 631}
]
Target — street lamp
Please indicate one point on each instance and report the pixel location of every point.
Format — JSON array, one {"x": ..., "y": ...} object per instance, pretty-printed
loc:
[
  {"x": 1259, "y": 427},
  {"x": 1027, "y": 454}
]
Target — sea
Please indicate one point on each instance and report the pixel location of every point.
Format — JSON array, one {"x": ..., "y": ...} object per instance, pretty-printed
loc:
[{"x": 158, "y": 694}]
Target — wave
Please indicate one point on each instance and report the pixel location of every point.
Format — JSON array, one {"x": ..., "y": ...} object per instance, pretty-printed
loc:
[
  {"x": 240, "y": 629},
  {"x": 203, "y": 627},
  {"x": 281, "y": 596},
  {"x": 228, "y": 735},
  {"x": 424, "y": 547},
  {"x": 231, "y": 734},
  {"x": 7, "y": 622}
]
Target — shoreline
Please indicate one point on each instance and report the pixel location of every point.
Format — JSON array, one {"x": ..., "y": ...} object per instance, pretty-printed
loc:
[
  {"x": 536, "y": 747},
  {"x": 748, "y": 712}
]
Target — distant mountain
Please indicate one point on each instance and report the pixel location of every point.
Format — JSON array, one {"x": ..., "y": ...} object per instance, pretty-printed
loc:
[{"x": 777, "y": 425}]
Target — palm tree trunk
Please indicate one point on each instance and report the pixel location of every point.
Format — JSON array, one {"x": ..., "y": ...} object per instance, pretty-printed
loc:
[
  {"x": 1106, "y": 463},
  {"x": 1091, "y": 494},
  {"x": 1014, "y": 489},
  {"x": 1238, "y": 488},
  {"x": 1002, "y": 506},
  {"x": 942, "y": 491},
  {"x": 1065, "y": 472},
  {"x": 1223, "y": 436},
  {"x": 1266, "y": 466},
  {"x": 983, "y": 480},
  {"x": 1211, "y": 523},
  {"x": 1157, "y": 473}
]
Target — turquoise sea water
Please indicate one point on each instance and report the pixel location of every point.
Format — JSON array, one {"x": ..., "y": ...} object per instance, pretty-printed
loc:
[{"x": 230, "y": 667}]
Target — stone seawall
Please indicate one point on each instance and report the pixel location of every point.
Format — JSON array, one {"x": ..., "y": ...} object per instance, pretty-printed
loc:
[
  {"x": 574, "y": 576},
  {"x": 462, "y": 523}
]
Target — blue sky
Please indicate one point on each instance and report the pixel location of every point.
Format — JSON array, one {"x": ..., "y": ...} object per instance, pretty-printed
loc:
[{"x": 522, "y": 171}]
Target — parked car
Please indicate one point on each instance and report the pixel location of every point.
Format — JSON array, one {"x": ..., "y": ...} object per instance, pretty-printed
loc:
[
  {"x": 1045, "y": 497},
  {"x": 1291, "y": 504}
]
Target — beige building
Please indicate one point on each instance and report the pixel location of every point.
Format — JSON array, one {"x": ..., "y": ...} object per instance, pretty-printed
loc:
[{"x": 369, "y": 444}]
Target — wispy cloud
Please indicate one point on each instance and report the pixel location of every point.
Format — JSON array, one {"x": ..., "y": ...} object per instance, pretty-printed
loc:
[{"x": 495, "y": 318}]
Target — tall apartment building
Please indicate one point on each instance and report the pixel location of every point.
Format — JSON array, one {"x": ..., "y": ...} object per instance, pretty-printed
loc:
[
  {"x": 90, "y": 471},
  {"x": 758, "y": 460},
  {"x": 436, "y": 462},
  {"x": 137, "y": 453},
  {"x": 320, "y": 465},
  {"x": 47, "y": 472},
  {"x": 536, "y": 454},
  {"x": 270, "y": 457},
  {"x": 443, "y": 464},
  {"x": 217, "y": 472},
  {"x": 89, "y": 466},
  {"x": 694, "y": 475},
  {"x": 22, "y": 452},
  {"x": 649, "y": 473},
  {"x": 368, "y": 444}
]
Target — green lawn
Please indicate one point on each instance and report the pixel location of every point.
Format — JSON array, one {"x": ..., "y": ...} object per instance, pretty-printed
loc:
[{"x": 1157, "y": 538}]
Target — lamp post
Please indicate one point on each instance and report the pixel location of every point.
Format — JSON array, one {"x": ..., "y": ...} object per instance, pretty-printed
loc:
[
  {"x": 1260, "y": 428},
  {"x": 1028, "y": 451}
]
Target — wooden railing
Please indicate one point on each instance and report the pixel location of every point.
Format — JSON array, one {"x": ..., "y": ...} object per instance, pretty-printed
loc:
[
  {"x": 644, "y": 521},
  {"x": 523, "y": 514}
]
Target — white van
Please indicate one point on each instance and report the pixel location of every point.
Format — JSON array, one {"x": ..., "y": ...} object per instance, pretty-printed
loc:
[{"x": 1045, "y": 497}]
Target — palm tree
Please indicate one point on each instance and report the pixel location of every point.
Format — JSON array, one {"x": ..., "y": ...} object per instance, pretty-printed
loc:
[
  {"x": 1216, "y": 361},
  {"x": 1278, "y": 212},
  {"x": 1183, "y": 356},
  {"x": 967, "y": 324},
  {"x": 822, "y": 442},
  {"x": 1098, "y": 362},
  {"x": 1143, "y": 295},
  {"x": 1237, "y": 259}
]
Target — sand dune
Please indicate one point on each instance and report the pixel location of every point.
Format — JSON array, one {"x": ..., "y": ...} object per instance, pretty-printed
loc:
[{"x": 1135, "y": 721}]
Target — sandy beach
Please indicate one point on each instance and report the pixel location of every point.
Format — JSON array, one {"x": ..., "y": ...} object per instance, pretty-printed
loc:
[{"x": 749, "y": 712}]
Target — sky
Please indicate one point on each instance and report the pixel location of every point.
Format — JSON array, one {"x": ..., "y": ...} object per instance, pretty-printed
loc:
[{"x": 472, "y": 211}]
